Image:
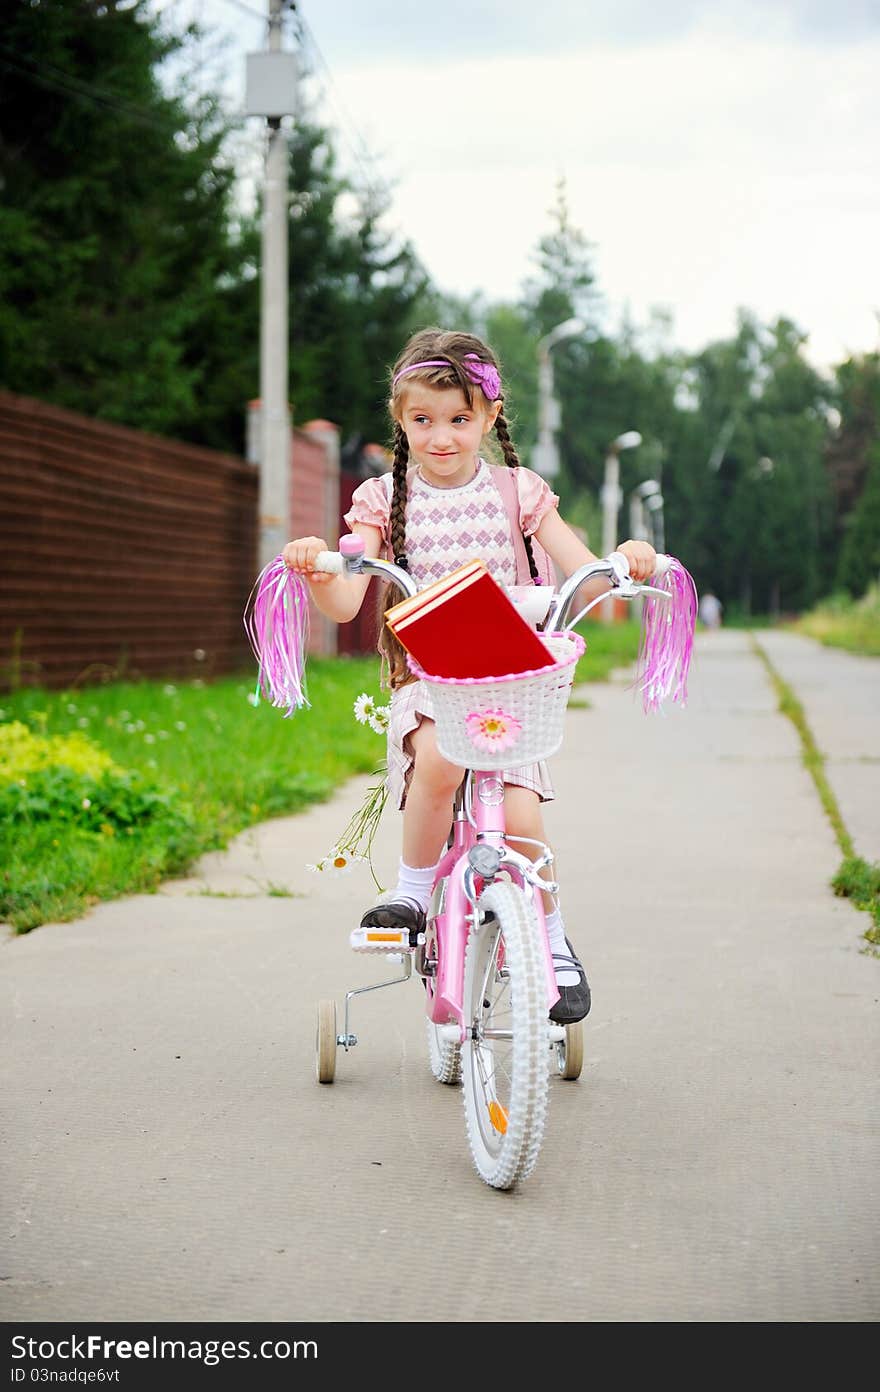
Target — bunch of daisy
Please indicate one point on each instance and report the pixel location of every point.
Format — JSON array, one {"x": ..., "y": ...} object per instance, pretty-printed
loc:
[
  {"x": 367, "y": 712},
  {"x": 355, "y": 845}
]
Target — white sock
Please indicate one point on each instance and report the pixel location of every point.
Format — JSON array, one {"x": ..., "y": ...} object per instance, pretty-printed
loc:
[
  {"x": 414, "y": 882},
  {"x": 556, "y": 933}
]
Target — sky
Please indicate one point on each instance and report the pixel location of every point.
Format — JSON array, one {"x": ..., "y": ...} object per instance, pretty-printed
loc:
[{"x": 716, "y": 154}]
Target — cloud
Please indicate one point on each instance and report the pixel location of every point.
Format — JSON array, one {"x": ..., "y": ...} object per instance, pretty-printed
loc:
[
  {"x": 361, "y": 34},
  {"x": 709, "y": 171},
  {"x": 717, "y": 153}
]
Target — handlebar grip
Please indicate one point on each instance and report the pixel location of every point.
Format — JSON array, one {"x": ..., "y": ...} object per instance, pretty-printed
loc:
[
  {"x": 351, "y": 546},
  {"x": 621, "y": 564},
  {"x": 330, "y": 562}
]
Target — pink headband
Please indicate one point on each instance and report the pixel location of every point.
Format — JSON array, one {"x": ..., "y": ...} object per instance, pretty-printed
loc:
[{"x": 482, "y": 374}]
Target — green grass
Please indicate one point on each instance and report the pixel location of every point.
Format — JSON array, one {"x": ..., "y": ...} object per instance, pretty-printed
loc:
[
  {"x": 855, "y": 879},
  {"x": 842, "y": 622},
  {"x": 217, "y": 764},
  {"x": 608, "y": 646},
  {"x": 194, "y": 763}
]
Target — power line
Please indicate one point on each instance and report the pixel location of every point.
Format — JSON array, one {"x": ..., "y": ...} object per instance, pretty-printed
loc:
[
  {"x": 248, "y": 10},
  {"x": 73, "y": 87},
  {"x": 346, "y": 126},
  {"x": 356, "y": 144}
]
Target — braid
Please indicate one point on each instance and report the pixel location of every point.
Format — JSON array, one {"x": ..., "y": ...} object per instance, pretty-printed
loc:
[
  {"x": 398, "y": 496},
  {"x": 395, "y": 671},
  {"x": 511, "y": 459}
]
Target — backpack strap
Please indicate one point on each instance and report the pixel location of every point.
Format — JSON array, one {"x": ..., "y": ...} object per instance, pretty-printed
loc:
[{"x": 505, "y": 481}]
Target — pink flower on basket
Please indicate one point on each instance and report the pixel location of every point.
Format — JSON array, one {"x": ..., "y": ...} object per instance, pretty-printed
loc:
[{"x": 492, "y": 730}]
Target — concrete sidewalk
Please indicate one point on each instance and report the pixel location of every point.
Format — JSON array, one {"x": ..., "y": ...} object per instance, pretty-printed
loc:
[
  {"x": 168, "y": 1155},
  {"x": 840, "y": 695}
]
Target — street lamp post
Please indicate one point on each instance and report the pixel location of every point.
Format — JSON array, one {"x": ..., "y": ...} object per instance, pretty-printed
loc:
[
  {"x": 545, "y": 456},
  {"x": 655, "y": 507},
  {"x": 612, "y": 497},
  {"x": 646, "y": 513}
]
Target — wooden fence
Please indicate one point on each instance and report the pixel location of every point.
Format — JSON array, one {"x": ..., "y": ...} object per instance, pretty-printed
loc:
[
  {"x": 128, "y": 553},
  {"x": 120, "y": 552}
]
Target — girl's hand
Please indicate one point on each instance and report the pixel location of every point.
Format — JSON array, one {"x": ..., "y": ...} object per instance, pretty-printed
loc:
[
  {"x": 642, "y": 558},
  {"x": 299, "y": 556}
]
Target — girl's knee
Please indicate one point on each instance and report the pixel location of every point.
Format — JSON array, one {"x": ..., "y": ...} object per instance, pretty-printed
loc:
[
  {"x": 429, "y": 765},
  {"x": 522, "y": 812}
]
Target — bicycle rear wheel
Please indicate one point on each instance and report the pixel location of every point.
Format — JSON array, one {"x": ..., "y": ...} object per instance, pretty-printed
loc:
[
  {"x": 444, "y": 1056},
  {"x": 504, "y": 1062}
]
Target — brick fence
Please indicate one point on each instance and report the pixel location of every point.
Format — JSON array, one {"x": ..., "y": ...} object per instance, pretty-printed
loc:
[{"x": 123, "y": 552}]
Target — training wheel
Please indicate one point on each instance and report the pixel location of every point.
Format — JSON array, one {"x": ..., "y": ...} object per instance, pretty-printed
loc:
[
  {"x": 570, "y": 1052},
  {"x": 325, "y": 1043}
]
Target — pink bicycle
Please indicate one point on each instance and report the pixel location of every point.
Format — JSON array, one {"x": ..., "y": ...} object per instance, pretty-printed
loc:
[{"x": 484, "y": 958}]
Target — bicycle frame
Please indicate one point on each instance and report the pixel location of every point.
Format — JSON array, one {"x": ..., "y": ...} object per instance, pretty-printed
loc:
[{"x": 479, "y": 821}]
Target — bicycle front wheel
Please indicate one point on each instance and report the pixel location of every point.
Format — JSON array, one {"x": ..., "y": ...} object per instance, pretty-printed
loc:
[{"x": 504, "y": 1059}]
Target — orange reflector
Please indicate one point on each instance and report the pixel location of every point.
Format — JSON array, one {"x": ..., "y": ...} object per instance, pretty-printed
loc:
[
  {"x": 498, "y": 1117},
  {"x": 383, "y": 937}
]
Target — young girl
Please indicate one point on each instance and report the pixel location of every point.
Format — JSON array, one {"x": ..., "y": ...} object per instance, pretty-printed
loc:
[{"x": 438, "y": 508}]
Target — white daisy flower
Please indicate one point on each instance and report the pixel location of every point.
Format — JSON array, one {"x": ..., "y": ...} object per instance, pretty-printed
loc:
[
  {"x": 337, "y": 861},
  {"x": 340, "y": 862},
  {"x": 364, "y": 708},
  {"x": 379, "y": 719}
]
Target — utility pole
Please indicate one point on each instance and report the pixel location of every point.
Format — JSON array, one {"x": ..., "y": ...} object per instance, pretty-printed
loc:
[{"x": 271, "y": 92}]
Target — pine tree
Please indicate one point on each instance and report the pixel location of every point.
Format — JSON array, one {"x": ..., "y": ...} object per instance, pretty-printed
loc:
[{"x": 115, "y": 227}]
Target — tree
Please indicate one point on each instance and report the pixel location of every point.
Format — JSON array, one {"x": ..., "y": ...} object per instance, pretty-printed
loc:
[
  {"x": 850, "y": 450},
  {"x": 763, "y": 409},
  {"x": 565, "y": 284},
  {"x": 120, "y": 270},
  {"x": 859, "y": 564}
]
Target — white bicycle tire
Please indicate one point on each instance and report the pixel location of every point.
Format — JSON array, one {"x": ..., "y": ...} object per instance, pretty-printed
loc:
[
  {"x": 444, "y": 1056},
  {"x": 509, "y": 1074}
]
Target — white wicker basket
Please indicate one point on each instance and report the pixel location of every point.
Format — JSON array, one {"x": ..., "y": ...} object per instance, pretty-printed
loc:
[{"x": 504, "y": 722}]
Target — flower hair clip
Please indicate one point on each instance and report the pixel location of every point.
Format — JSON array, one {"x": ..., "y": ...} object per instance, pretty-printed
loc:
[{"x": 483, "y": 374}]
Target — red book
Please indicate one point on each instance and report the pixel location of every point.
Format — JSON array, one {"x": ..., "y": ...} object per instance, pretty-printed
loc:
[
  {"x": 431, "y": 592},
  {"x": 466, "y": 626}
]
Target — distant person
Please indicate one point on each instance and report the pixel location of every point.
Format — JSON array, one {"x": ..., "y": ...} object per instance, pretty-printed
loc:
[
  {"x": 442, "y": 508},
  {"x": 710, "y": 610}
]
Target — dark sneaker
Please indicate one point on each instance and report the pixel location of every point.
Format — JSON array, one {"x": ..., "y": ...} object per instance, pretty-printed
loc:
[
  {"x": 390, "y": 926},
  {"x": 574, "y": 1001}
]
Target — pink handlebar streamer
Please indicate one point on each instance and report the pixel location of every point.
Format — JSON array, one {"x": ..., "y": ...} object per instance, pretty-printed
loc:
[
  {"x": 667, "y": 639},
  {"x": 276, "y": 619}
]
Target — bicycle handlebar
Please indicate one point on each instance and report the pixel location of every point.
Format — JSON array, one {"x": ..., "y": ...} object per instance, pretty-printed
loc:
[
  {"x": 350, "y": 560},
  {"x": 276, "y": 617}
]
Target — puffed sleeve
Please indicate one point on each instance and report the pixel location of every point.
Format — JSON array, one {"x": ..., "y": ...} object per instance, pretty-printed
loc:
[
  {"x": 535, "y": 499},
  {"x": 371, "y": 505}
]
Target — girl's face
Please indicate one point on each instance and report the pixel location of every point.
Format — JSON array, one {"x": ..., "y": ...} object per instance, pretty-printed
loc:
[{"x": 444, "y": 433}]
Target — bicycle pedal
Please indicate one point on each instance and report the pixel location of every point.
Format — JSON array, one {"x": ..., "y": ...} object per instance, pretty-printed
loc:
[{"x": 383, "y": 940}]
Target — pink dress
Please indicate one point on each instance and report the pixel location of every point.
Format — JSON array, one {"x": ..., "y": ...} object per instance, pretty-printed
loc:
[{"x": 446, "y": 527}]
